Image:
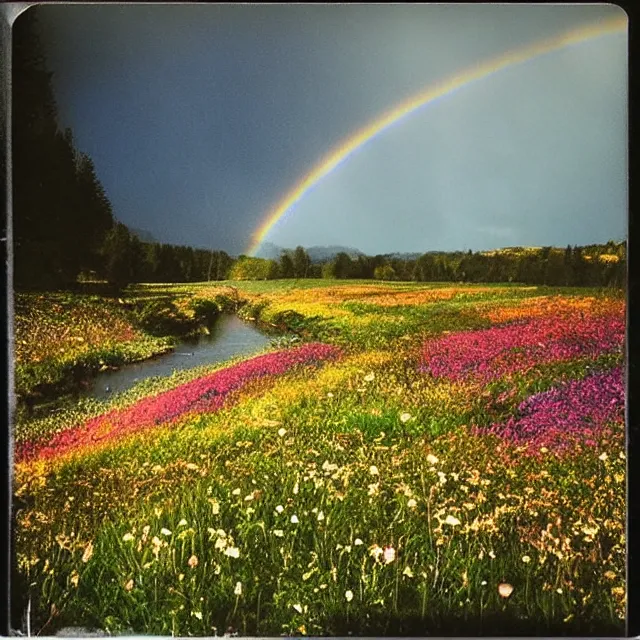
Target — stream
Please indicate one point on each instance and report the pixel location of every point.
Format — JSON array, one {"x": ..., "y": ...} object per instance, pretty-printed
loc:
[{"x": 229, "y": 337}]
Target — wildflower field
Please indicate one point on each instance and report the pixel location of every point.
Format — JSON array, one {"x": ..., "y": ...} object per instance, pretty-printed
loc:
[{"x": 421, "y": 460}]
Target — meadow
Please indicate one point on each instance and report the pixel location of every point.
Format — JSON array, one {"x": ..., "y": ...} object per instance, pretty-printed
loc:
[{"x": 409, "y": 459}]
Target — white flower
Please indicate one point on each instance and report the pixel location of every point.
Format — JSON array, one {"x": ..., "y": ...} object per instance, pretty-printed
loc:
[
  {"x": 491, "y": 554},
  {"x": 389, "y": 555},
  {"x": 232, "y": 552},
  {"x": 220, "y": 543},
  {"x": 279, "y": 533},
  {"x": 407, "y": 572},
  {"x": 452, "y": 520},
  {"x": 357, "y": 542},
  {"x": 197, "y": 614},
  {"x": 235, "y": 492},
  {"x": 526, "y": 559},
  {"x": 505, "y": 589},
  {"x": 369, "y": 377},
  {"x": 321, "y": 515},
  {"x": 603, "y": 456},
  {"x": 298, "y": 608},
  {"x": 431, "y": 459},
  {"x": 279, "y": 508},
  {"x": 348, "y": 595},
  {"x": 165, "y": 532},
  {"x": 412, "y": 504},
  {"x": 238, "y": 590},
  {"x": 329, "y": 395},
  {"x": 404, "y": 417},
  {"x": 127, "y": 537},
  {"x": 373, "y": 470},
  {"x": 294, "y": 519},
  {"x": 182, "y": 523},
  {"x": 282, "y": 431},
  {"x": 375, "y": 551}
]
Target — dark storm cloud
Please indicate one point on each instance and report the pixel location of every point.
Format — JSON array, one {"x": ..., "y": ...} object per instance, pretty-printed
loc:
[{"x": 200, "y": 118}]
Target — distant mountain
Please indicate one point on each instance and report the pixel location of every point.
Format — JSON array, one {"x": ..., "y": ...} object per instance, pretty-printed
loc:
[
  {"x": 271, "y": 251},
  {"x": 324, "y": 254},
  {"x": 403, "y": 256},
  {"x": 142, "y": 235}
]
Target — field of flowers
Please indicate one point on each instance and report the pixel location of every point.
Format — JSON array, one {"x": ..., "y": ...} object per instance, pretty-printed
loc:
[{"x": 427, "y": 460}]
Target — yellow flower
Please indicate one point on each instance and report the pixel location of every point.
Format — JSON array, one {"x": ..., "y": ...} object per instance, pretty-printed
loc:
[
  {"x": 129, "y": 585},
  {"x": 348, "y": 595},
  {"x": 526, "y": 559},
  {"x": 75, "y": 577},
  {"x": 88, "y": 552},
  {"x": 408, "y": 572}
]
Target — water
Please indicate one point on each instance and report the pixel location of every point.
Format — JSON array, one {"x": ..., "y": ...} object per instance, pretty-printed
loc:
[{"x": 230, "y": 337}]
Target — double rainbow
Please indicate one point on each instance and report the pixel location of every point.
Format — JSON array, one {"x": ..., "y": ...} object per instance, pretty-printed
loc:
[{"x": 349, "y": 146}]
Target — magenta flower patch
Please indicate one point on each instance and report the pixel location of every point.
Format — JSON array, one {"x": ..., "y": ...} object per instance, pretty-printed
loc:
[
  {"x": 206, "y": 394},
  {"x": 576, "y": 411},
  {"x": 488, "y": 354}
]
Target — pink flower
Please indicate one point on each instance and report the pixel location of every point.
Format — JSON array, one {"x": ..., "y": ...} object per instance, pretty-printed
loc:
[{"x": 207, "y": 394}]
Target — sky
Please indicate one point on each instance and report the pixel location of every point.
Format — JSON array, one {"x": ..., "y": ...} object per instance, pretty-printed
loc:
[{"x": 201, "y": 119}]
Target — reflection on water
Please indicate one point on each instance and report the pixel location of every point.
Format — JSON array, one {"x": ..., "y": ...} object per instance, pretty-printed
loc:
[{"x": 230, "y": 337}]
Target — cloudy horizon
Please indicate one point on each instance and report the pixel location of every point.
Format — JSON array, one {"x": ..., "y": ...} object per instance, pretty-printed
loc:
[{"x": 201, "y": 118}]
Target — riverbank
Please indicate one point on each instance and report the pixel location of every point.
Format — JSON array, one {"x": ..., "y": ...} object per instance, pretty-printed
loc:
[{"x": 63, "y": 339}]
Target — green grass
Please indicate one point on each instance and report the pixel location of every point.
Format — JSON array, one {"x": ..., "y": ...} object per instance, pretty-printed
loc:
[{"x": 365, "y": 451}]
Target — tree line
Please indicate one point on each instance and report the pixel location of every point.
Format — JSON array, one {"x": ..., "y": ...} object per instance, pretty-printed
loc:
[
  {"x": 61, "y": 213},
  {"x": 594, "y": 265}
]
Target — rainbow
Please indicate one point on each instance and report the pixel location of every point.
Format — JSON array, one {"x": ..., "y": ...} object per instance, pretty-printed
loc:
[{"x": 349, "y": 146}]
